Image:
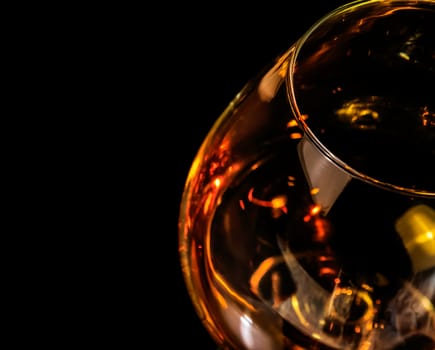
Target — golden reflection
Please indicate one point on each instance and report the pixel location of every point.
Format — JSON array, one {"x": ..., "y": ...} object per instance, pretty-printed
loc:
[
  {"x": 291, "y": 181},
  {"x": 313, "y": 212},
  {"x": 359, "y": 113},
  {"x": 427, "y": 117},
  {"x": 316, "y": 336},
  {"x": 292, "y": 123},
  {"x": 367, "y": 287},
  {"x": 277, "y": 203},
  {"x": 416, "y": 227},
  {"x": 276, "y": 289},
  {"x": 207, "y": 202},
  {"x": 264, "y": 267},
  {"x": 404, "y": 56},
  {"x": 411, "y": 47},
  {"x": 229, "y": 291},
  {"x": 314, "y": 191},
  {"x": 297, "y": 310},
  {"x": 272, "y": 80},
  {"x": 295, "y": 135},
  {"x": 217, "y": 182}
]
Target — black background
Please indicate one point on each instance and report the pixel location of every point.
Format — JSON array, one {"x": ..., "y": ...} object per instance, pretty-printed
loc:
[
  {"x": 132, "y": 91},
  {"x": 205, "y": 55}
]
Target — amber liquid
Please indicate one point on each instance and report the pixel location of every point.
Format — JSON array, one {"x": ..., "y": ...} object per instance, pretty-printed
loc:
[
  {"x": 352, "y": 258},
  {"x": 272, "y": 268}
]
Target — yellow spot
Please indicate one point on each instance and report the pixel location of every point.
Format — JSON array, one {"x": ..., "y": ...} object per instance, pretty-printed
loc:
[
  {"x": 315, "y": 190},
  {"x": 404, "y": 56}
]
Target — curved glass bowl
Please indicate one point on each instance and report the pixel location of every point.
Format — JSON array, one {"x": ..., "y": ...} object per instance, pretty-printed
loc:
[{"x": 308, "y": 215}]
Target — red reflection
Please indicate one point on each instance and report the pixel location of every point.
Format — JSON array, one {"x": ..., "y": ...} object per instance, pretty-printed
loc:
[{"x": 278, "y": 202}]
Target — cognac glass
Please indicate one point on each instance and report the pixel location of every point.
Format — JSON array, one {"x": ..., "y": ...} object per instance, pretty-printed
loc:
[{"x": 308, "y": 215}]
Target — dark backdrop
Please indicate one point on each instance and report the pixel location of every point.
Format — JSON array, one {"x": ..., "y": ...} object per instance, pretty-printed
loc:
[{"x": 131, "y": 91}]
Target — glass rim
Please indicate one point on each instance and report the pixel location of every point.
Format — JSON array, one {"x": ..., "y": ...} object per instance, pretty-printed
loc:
[{"x": 308, "y": 132}]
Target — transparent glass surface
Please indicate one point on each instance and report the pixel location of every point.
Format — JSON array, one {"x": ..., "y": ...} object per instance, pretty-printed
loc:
[{"x": 308, "y": 215}]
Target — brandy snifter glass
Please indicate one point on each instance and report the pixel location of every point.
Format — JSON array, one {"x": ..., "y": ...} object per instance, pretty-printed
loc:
[{"x": 308, "y": 215}]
